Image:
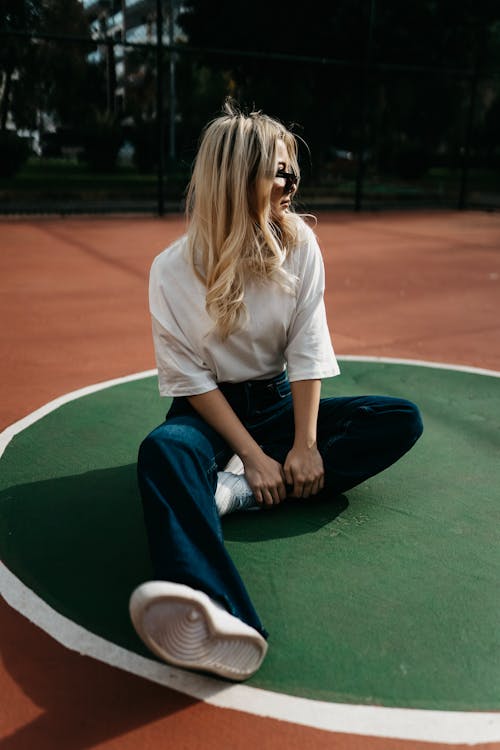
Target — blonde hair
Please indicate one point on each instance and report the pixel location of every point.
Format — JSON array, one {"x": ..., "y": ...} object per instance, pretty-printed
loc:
[{"x": 232, "y": 234}]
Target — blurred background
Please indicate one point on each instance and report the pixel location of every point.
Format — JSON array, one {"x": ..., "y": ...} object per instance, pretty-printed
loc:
[{"x": 102, "y": 101}]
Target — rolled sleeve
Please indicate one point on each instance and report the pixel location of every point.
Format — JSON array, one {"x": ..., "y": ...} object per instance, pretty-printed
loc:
[
  {"x": 309, "y": 351},
  {"x": 180, "y": 371}
]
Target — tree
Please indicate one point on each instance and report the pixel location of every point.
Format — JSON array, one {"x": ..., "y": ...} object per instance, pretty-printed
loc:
[
  {"x": 418, "y": 110},
  {"x": 49, "y": 76},
  {"x": 63, "y": 65},
  {"x": 14, "y": 52}
]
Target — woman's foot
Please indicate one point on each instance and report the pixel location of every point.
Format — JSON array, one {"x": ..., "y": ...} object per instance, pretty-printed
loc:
[
  {"x": 188, "y": 629},
  {"x": 233, "y": 492}
]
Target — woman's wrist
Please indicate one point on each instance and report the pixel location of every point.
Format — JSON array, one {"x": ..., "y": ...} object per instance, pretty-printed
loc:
[
  {"x": 306, "y": 398},
  {"x": 306, "y": 442},
  {"x": 249, "y": 451}
]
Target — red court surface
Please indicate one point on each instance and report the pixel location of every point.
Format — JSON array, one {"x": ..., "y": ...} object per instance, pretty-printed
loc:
[{"x": 74, "y": 311}]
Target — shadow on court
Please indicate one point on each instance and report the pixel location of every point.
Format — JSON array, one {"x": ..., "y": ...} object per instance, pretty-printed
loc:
[
  {"x": 80, "y": 543},
  {"x": 291, "y": 518},
  {"x": 80, "y": 702},
  {"x": 400, "y": 579}
]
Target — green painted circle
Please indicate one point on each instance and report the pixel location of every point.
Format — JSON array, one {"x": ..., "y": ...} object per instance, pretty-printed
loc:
[{"x": 392, "y": 600}]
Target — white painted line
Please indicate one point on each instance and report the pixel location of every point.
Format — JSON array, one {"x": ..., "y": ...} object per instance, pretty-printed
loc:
[
  {"x": 450, "y": 727},
  {"x": 9, "y": 432},
  {"x": 13, "y": 429},
  {"x": 420, "y": 363}
]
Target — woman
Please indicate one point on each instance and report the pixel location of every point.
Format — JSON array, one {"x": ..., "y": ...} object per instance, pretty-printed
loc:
[{"x": 242, "y": 345}]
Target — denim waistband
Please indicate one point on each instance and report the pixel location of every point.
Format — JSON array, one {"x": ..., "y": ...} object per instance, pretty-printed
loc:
[
  {"x": 256, "y": 387},
  {"x": 248, "y": 398},
  {"x": 251, "y": 397}
]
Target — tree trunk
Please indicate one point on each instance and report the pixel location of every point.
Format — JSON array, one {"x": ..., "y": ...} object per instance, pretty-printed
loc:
[{"x": 4, "y": 104}]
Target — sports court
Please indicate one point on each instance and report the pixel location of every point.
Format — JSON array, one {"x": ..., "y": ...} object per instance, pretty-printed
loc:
[{"x": 383, "y": 607}]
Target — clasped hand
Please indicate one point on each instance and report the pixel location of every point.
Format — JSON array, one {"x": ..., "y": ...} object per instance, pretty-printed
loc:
[{"x": 302, "y": 475}]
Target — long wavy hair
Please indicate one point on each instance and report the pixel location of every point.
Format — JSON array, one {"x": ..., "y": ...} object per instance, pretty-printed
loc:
[{"x": 232, "y": 233}]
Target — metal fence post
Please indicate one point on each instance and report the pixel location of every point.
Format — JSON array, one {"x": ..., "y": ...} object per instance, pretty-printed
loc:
[
  {"x": 160, "y": 117},
  {"x": 172, "y": 95},
  {"x": 363, "y": 109},
  {"x": 462, "y": 199}
]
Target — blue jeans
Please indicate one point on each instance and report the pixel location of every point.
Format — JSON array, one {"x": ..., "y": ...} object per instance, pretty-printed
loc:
[{"x": 178, "y": 464}]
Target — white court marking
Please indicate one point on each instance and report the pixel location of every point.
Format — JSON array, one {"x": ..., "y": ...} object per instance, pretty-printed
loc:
[{"x": 451, "y": 727}]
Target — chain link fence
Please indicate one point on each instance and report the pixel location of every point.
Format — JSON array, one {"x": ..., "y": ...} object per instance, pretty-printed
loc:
[{"x": 97, "y": 122}]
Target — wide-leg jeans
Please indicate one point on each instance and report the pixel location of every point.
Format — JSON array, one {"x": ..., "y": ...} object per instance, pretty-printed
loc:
[{"x": 178, "y": 462}]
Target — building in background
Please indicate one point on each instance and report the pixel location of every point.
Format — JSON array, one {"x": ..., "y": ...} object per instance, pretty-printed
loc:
[{"x": 128, "y": 21}]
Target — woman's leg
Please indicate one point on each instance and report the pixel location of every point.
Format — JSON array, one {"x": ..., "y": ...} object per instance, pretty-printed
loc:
[
  {"x": 358, "y": 436},
  {"x": 177, "y": 472},
  {"x": 361, "y": 436}
]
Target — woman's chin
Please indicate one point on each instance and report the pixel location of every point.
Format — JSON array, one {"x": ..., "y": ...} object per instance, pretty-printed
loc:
[{"x": 281, "y": 210}]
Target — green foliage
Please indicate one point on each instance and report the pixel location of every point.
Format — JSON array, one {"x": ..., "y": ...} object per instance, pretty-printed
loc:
[
  {"x": 43, "y": 76},
  {"x": 411, "y": 161},
  {"x": 14, "y": 52},
  {"x": 102, "y": 138},
  {"x": 420, "y": 107},
  {"x": 491, "y": 133},
  {"x": 14, "y": 152},
  {"x": 405, "y": 122},
  {"x": 144, "y": 138}
]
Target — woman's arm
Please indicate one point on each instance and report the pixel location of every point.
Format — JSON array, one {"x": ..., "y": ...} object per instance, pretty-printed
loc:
[
  {"x": 264, "y": 475},
  {"x": 304, "y": 466}
]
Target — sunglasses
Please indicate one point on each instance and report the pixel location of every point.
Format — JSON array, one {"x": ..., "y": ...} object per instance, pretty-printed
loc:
[{"x": 290, "y": 178}]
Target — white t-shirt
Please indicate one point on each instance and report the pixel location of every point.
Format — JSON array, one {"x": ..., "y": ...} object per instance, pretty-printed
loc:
[{"x": 283, "y": 329}]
